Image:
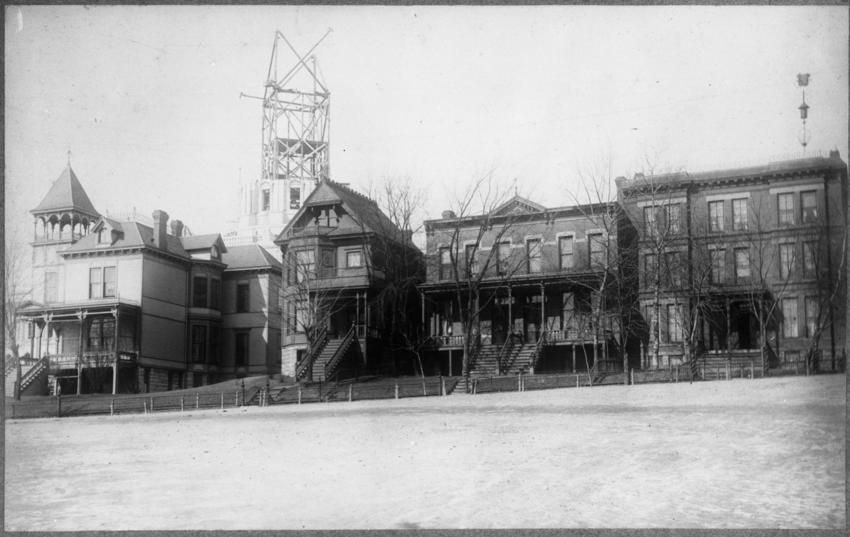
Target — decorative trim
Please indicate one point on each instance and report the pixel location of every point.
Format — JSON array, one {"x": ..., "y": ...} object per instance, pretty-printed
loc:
[
  {"x": 660, "y": 203},
  {"x": 795, "y": 189},
  {"x": 728, "y": 196}
]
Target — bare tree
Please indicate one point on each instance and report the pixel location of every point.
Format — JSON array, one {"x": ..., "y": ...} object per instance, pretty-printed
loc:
[
  {"x": 468, "y": 256},
  {"x": 16, "y": 293},
  {"x": 399, "y": 263},
  {"x": 616, "y": 288}
]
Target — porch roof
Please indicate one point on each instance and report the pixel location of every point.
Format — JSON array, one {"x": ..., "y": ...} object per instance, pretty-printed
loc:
[
  {"x": 554, "y": 279},
  {"x": 71, "y": 309}
]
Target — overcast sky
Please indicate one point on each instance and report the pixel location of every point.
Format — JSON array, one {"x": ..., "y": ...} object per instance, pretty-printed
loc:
[{"x": 147, "y": 98}]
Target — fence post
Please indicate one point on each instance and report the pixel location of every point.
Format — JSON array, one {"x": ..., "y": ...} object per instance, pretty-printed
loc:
[
  {"x": 145, "y": 405},
  {"x": 299, "y": 394},
  {"x": 519, "y": 382},
  {"x": 222, "y": 401},
  {"x": 59, "y": 405},
  {"x": 236, "y": 399},
  {"x": 443, "y": 384},
  {"x": 182, "y": 401},
  {"x": 632, "y": 374},
  {"x": 151, "y": 405},
  {"x": 396, "y": 390},
  {"x": 111, "y": 408},
  {"x": 576, "y": 381},
  {"x": 350, "y": 386},
  {"x": 752, "y": 373}
]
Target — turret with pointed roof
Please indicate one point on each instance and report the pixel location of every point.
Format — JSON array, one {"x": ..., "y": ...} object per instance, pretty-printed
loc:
[{"x": 66, "y": 212}]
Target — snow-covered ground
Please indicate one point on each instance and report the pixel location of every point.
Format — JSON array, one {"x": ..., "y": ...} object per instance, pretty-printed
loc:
[{"x": 765, "y": 454}]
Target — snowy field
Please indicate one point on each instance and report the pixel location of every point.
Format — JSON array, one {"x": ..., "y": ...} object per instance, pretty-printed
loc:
[{"x": 732, "y": 454}]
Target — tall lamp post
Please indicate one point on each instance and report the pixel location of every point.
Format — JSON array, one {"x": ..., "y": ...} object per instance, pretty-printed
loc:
[{"x": 803, "y": 81}]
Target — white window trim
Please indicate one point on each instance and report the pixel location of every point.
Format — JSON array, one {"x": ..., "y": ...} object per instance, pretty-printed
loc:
[
  {"x": 795, "y": 189},
  {"x": 729, "y": 196}
]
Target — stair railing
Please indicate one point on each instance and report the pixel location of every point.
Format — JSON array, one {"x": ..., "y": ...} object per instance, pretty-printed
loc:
[
  {"x": 333, "y": 363},
  {"x": 507, "y": 346},
  {"x": 303, "y": 367},
  {"x": 537, "y": 348},
  {"x": 34, "y": 372}
]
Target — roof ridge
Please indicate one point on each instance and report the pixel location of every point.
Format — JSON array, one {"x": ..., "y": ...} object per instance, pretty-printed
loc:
[{"x": 352, "y": 191}]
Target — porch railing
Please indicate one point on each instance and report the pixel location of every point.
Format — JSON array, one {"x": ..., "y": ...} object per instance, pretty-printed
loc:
[
  {"x": 303, "y": 367},
  {"x": 336, "y": 359}
]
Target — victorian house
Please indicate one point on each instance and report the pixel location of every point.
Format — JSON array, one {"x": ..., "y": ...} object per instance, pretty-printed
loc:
[
  {"x": 348, "y": 294},
  {"x": 743, "y": 266},
  {"x": 525, "y": 289},
  {"x": 121, "y": 306}
]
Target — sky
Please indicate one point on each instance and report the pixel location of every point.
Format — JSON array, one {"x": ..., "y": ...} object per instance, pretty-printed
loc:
[{"x": 147, "y": 98}]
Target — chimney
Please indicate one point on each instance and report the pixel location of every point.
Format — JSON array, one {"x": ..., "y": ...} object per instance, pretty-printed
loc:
[
  {"x": 449, "y": 214},
  {"x": 834, "y": 154},
  {"x": 177, "y": 228},
  {"x": 160, "y": 219}
]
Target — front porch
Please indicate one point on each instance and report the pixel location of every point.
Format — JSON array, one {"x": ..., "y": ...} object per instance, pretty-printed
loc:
[{"x": 87, "y": 348}]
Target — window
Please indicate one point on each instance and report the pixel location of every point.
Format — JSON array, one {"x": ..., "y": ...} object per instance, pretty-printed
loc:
[
  {"x": 533, "y": 254},
  {"x": 199, "y": 292},
  {"x": 267, "y": 199},
  {"x": 96, "y": 282},
  {"x": 718, "y": 266},
  {"x": 789, "y": 317},
  {"x": 739, "y": 214},
  {"x": 742, "y": 263},
  {"x": 328, "y": 263},
  {"x": 809, "y": 204},
  {"x": 715, "y": 215},
  {"x": 445, "y": 264},
  {"x": 241, "y": 353},
  {"x": 214, "y": 252},
  {"x": 305, "y": 264},
  {"x": 568, "y": 311},
  {"x": 650, "y": 269},
  {"x": 650, "y": 224},
  {"x": 101, "y": 334},
  {"x": 103, "y": 236},
  {"x": 243, "y": 298},
  {"x": 786, "y": 260},
  {"x": 294, "y": 197},
  {"x": 674, "y": 322},
  {"x": 672, "y": 269},
  {"x": 504, "y": 258},
  {"x": 597, "y": 246},
  {"x": 51, "y": 287},
  {"x": 354, "y": 259},
  {"x": 809, "y": 260},
  {"x": 215, "y": 294},
  {"x": 812, "y": 314},
  {"x": 215, "y": 345},
  {"x": 471, "y": 261},
  {"x": 673, "y": 218},
  {"x": 199, "y": 344},
  {"x": 565, "y": 250},
  {"x": 786, "y": 208},
  {"x": 301, "y": 317}
]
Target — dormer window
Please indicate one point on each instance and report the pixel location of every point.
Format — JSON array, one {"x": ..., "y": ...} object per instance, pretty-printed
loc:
[
  {"x": 214, "y": 252},
  {"x": 103, "y": 236}
]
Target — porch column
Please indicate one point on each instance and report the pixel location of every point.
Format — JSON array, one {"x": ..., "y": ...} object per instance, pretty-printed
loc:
[
  {"x": 81, "y": 315},
  {"x": 728, "y": 328},
  {"x": 422, "y": 318},
  {"x": 31, "y": 334},
  {"x": 510, "y": 312},
  {"x": 542, "y": 311},
  {"x": 115, "y": 353}
]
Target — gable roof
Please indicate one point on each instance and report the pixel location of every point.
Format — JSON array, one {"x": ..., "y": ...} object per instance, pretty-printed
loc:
[
  {"x": 249, "y": 256},
  {"x": 203, "y": 242},
  {"x": 131, "y": 235},
  {"x": 518, "y": 205},
  {"x": 369, "y": 217},
  {"x": 66, "y": 194}
]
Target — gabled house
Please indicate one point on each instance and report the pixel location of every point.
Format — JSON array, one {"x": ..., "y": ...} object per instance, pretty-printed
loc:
[
  {"x": 348, "y": 293},
  {"x": 128, "y": 307},
  {"x": 520, "y": 290}
]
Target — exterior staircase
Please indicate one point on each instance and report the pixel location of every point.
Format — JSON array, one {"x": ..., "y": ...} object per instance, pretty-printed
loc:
[
  {"x": 329, "y": 359},
  {"x": 520, "y": 359},
  {"x": 34, "y": 380},
  {"x": 515, "y": 359}
]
